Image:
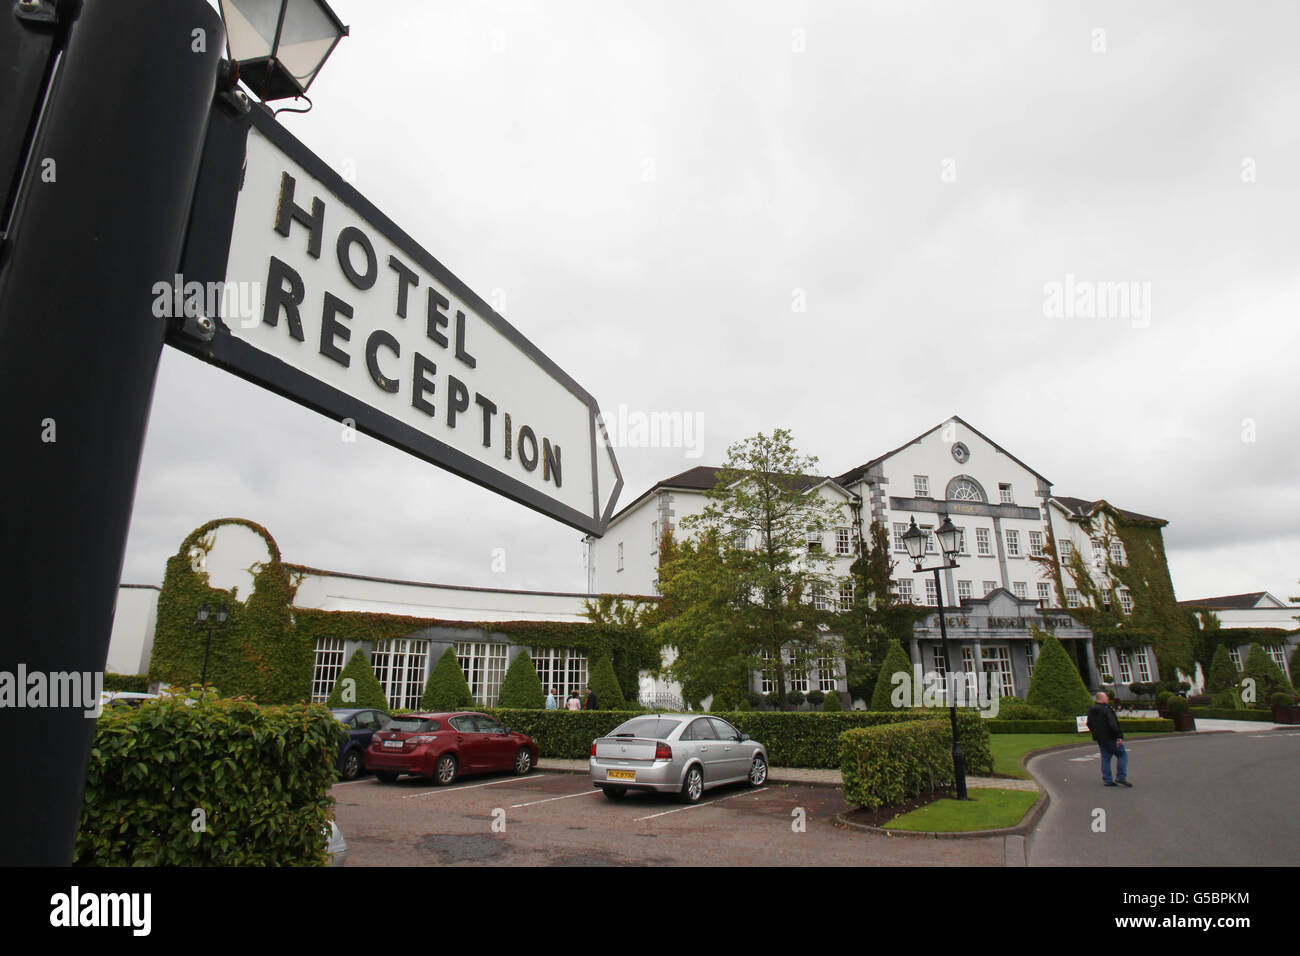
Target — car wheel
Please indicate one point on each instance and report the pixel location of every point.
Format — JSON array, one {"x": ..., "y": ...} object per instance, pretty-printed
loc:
[
  {"x": 352, "y": 765},
  {"x": 523, "y": 761},
  {"x": 758, "y": 772},
  {"x": 385, "y": 776},
  {"x": 445, "y": 771},
  {"x": 614, "y": 793},
  {"x": 693, "y": 786}
]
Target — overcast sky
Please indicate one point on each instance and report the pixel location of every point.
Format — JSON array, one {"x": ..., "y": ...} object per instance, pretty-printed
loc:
[{"x": 842, "y": 219}]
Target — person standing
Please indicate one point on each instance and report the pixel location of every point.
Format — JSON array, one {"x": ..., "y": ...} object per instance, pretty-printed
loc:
[
  {"x": 574, "y": 702},
  {"x": 1106, "y": 731},
  {"x": 589, "y": 702},
  {"x": 552, "y": 701}
]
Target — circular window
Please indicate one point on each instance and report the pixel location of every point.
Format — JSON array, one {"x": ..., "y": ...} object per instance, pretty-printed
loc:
[{"x": 960, "y": 452}]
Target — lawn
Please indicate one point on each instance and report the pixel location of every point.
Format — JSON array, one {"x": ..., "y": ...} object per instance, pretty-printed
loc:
[
  {"x": 984, "y": 810},
  {"x": 1009, "y": 748}
]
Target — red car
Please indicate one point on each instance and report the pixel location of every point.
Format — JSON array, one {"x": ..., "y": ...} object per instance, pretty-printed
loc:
[{"x": 443, "y": 746}]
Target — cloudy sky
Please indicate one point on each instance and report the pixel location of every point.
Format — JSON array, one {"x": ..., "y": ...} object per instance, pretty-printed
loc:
[{"x": 850, "y": 220}]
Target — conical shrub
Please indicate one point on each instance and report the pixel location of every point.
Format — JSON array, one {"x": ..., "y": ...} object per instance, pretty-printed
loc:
[{"x": 357, "y": 686}]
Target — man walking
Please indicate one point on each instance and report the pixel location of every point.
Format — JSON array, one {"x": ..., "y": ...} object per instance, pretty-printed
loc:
[{"x": 1105, "y": 730}]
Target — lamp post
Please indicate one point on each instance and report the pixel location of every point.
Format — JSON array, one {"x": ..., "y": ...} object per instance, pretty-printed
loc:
[
  {"x": 280, "y": 45},
  {"x": 949, "y": 540},
  {"x": 201, "y": 620}
]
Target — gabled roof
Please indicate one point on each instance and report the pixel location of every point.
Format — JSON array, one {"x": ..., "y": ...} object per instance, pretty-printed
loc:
[
  {"x": 1082, "y": 508},
  {"x": 704, "y": 477},
  {"x": 1234, "y": 602},
  {"x": 856, "y": 474}
]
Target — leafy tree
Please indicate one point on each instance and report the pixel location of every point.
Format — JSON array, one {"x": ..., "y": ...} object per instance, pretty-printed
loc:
[
  {"x": 604, "y": 684},
  {"x": 833, "y": 701},
  {"x": 896, "y": 661},
  {"x": 876, "y": 612},
  {"x": 521, "y": 687},
  {"x": 447, "y": 688},
  {"x": 621, "y": 630},
  {"x": 1222, "y": 679},
  {"x": 742, "y": 596},
  {"x": 357, "y": 686},
  {"x": 1056, "y": 687},
  {"x": 1268, "y": 677}
]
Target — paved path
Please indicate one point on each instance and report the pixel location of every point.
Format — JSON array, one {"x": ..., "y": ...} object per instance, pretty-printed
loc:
[{"x": 1197, "y": 800}]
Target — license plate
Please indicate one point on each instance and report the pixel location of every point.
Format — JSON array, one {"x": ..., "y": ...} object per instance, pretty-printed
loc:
[
  {"x": 395, "y": 744},
  {"x": 620, "y": 775}
]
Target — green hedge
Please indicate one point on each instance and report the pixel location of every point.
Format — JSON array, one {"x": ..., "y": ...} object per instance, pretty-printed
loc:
[
  {"x": 1131, "y": 725},
  {"x": 792, "y": 738},
  {"x": 131, "y": 683},
  {"x": 260, "y": 775},
  {"x": 1218, "y": 713},
  {"x": 886, "y": 764}
]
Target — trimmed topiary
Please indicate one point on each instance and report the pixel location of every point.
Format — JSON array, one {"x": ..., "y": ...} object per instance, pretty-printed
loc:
[
  {"x": 521, "y": 687},
  {"x": 794, "y": 698},
  {"x": 833, "y": 702},
  {"x": 1056, "y": 687},
  {"x": 357, "y": 686},
  {"x": 896, "y": 661},
  {"x": 1268, "y": 677},
  {"x": 447, "y": 688},
  {"x": 604, "y": 684},
  {"x": 1013, "y": 708},
  {"x": 816, "y": 696},
  {"x": 1222, "y": 677}
]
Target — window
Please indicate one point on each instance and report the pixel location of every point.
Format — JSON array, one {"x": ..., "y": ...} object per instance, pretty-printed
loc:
[
  {"x": 401, "y": 665},
  {"x": 620, "y": 555},
  {"x": 1018, "y": 589},
  {"x": 1004, "y": 492},
  {"x": 814, "y": 539},
  {"x": 930, "y": 541},
  {"x": 1029, "y": 658},
  {"x": 1143, "y": 666},
  {"x": 968, "y": 659},
  {"x": 1105, "y": 598},
  {"x": 1098, "y": 555},
  {"x": 1103, "y": 666},
  {"x": 931, "y": 593},
  {"x": 827, "y": 675},
  {"x": 1234, "y": 654},
  {"x": 1013, "y": 544},
  {"x": 940, "y": 662},
  {"x": 899, "y": 530},
  {"x": 843, "y": 541},
  {"x": 990, "y": 587},
  {"x": 961, "y": 541},
  {"x": 1279, "y": 658},
  {"x": 1044, "y": 595},
  {"x": 819, "y": 600},
  {"x": 560, "y": 667},
  {"x": 982, "y": 541},
  {"x": 1072, "y": 598},
  {"x": 1125, "y": 601},
  {"x": 798, "y": 677},
  {"x": 1036, "y": 544},
  {"x": 905, "y": 592},
  {"x": 1117, "y": 553},
  {"x": 484, "y": 665},
  {"x": 327, "y": 664},
  {"x": 921, "y": 484},
  {"x": 963, "y": 590},
  {"x": 766, "y": 684},
  {"x": 1125, "y": 667},
  {"x": 1066, "y": 549},
  {"x": 846, "y": 596},
  {"x": 963, "y": 489},
  {"x": 997, "y": 664},
  {"x": 654, "y": 536}
]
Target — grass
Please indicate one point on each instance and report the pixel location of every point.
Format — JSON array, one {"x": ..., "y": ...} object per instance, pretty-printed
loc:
[
  {"x": 1009, "y": 748},
  {"x": 984, "y": 810}
]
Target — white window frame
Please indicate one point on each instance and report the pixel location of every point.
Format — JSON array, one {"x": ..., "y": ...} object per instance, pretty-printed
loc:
[
  {"x": 1065, "y": 548},
  {"x": 921, "y": 486},
  {"x": 402, "y": 666},
  {"x": 1005, "y": 494},
  {"x": 843, "y": 541},
  {"x": 326, "y": 665},
  {"x": 846, "y": 595},
  {"x": 983, "y": 543},
  {"x": 1117, "y": 556},
  {"x": 931, "y": 593},
  {"x": 963, "y": 590},
  {"x": 900, "y": 528},
  {"x": 905, "y": 590},
  {"x": 1125, "y": 600},
  {"x": 1104, "y": 668},
  {"x": 1234, "y": 654},
  {"x": 1044, "y": 595},
  {"x": 1012, "y": 538},
  {"x": 1125, "y": 667},
  {"x": 999, "y": 656},
  {"x": 563, "y": 668},
  {"x": 1020, "y": 590},
  {"x": 813, "y": 540},
  {"x": 989, "y": 587},
  {"x": 1035, "y": 544},
  {"x": 827, "y": 675},
  {"x": 1279, "y": 658},
  {"x": 1143, "y": 662},
  {"x": 1073, "y": 598},
  {"x": 484, "y": 664}
]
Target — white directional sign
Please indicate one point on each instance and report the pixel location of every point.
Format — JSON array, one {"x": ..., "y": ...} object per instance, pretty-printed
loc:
[{"x": 328, "y": 302}]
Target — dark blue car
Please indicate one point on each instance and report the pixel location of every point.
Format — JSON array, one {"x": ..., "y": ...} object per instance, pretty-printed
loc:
[{"x": 361, "y": 723}]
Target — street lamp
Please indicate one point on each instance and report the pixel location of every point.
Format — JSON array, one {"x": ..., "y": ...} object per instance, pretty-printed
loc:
[
  {"x": 280, "y": 45},
  {"x": 949, "y": 540},
  {"x": 201, "y": 619}
]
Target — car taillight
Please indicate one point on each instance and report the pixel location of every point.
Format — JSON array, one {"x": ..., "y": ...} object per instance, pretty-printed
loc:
[
  {"x": 663, "y": 752},
  {"x": 422, "y": 739},
  {"x": 593, "y": 748}
]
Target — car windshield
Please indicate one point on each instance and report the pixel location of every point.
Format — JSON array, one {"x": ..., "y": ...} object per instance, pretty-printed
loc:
[
  {"x": 656, "y": 728},
  {"x": 412, "y": 725}
]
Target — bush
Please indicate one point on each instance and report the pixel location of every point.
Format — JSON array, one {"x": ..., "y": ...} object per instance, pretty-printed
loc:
[
  {"x": 357, "y": 686},
  {"x": 262, "y": 776},
  {"x": 1162, "y": 698},
  {"x": 1177, "y": 705},
  {"x": 129, "y": 683},
  {"x": 815, "y": 697},
  {"x": 562, "y": 734},
  {"x": 1013, "y": 708},
  {"x": 1283, "y": 699},
  {"x": 794, "y": 698},
  {"x": 1223, "y": 675},
  {"x": 885, "y": 765},
  {"x": 447, "y": 688},
  {"x": 1131, "y": 725},
  {"x": 754, "y": 699},
  {"x": 1221, "y": 713},
  {"x": 833, "y": 703},
  {"x": 521, "y": 687},
  {"x": 604, "y": 684},
  {"x": 1142, "y": 688},
  {"x": 896, "y": 661},
  {"x": 1268, "y": 677},
  {"x": 1056, "y": 688}
]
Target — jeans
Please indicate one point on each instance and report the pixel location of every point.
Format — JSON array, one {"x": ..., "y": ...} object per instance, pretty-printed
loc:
[{"x": 1111, "y": 748}]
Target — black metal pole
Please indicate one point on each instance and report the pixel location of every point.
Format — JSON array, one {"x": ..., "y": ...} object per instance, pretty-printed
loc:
[
  {"x": 99, "y": 219},
  {"x": 207, "y": 649},
  {"x": 958, "y": 758}
]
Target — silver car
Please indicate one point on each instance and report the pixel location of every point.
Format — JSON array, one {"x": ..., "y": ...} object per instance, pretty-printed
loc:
[{"x": 675, "y": 753}]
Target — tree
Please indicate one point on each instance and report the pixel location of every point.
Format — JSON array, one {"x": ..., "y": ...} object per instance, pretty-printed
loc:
[
  {"x": 1222, "y": 679},
  {"x": 521, "y": 687},
  {"x": 604, "y": 684},
  {"x": 752, "y": 581},
  {"x": 1056, "y": 687},
  {"x": 896, "y": 662},
  {"x": 447, "y": 688},
  {"x": 833, "y": 701},
  {"x": 357, "y": 686},
  {"x": 868, "y": 627},
  {"x": 1268, "y": 677}
]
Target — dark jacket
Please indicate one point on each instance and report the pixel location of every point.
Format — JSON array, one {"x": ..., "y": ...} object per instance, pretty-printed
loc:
[
  {"x": 590, "y": 702},
  {"x": 1103, "y": 723}
]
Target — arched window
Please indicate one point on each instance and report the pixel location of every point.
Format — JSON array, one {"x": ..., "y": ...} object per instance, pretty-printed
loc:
[{"x": 965, "y": 488}]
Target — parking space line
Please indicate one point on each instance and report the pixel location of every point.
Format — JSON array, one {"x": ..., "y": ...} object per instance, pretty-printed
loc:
[
  {"x": 344, "y": 783},
  {"x": 694, "y": 806},
  {"x": 585, "y": 793},
  {"x": 472, "y": 786}
]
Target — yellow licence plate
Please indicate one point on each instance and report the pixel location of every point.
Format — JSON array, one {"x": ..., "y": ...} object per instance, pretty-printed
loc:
[{"x": 620, "y": 775}]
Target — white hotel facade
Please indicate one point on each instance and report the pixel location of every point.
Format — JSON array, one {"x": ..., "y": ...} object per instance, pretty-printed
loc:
[{"x": 1004, "y": 581}]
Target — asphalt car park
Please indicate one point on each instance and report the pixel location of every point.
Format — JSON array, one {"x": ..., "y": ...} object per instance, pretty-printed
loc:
[{"x": 551, "y": 818}]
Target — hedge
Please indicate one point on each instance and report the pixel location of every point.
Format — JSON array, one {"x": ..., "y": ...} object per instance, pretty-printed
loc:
[
  {"x": 885, "y": 765},
  {"x": 130, "y": 683},
  {"x": 212, "y": 783},
  {"x": 1218, "y": 713},
  {"x": 1133, "y": 725},
  {"x": 792, "y": 738}
]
